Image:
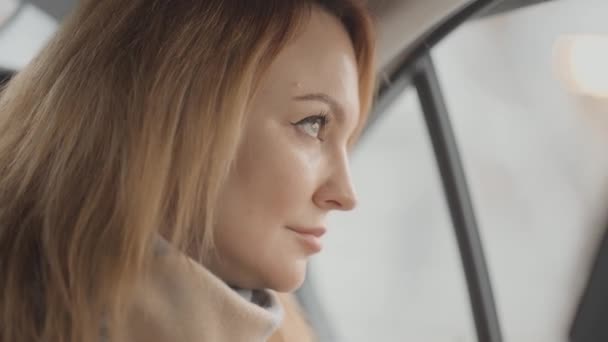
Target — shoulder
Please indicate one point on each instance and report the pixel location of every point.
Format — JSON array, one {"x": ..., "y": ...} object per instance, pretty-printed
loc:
[
  {"x": 180, "y": 300},
  {"x": 166, "y": 303}
]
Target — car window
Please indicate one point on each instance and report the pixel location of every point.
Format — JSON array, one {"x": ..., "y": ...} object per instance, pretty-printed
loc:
[
  {"x": 23, "y": 35},
  {"x": 535, "y": 155}
]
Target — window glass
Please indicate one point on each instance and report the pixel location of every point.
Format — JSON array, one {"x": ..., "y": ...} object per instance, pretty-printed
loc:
[
  {"x": 535, "y": 153},
  {"x": 23, "y": 36}
]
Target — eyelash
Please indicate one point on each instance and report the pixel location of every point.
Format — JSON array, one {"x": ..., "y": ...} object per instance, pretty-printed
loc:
[{"x": 323, "y": 119}]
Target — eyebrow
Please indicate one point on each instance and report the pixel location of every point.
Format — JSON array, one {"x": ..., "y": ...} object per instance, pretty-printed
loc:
[{"x": 328, "y": 100}]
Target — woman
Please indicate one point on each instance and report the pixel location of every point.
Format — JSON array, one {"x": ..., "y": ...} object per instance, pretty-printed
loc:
[{"x": 165, "y": 166}]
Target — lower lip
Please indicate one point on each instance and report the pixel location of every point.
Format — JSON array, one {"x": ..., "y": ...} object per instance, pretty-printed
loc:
[{"x": 312, "y": 242}]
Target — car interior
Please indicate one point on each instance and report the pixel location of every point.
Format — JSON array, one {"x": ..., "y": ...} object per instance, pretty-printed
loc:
[{"x": 489, "y": 184}]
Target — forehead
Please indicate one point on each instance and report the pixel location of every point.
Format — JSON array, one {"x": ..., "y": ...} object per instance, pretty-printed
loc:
[{"x": 318, "y": 59}]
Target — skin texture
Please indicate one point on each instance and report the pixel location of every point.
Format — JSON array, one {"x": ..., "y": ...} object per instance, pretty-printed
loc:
[{"x": 291, "y": 170}]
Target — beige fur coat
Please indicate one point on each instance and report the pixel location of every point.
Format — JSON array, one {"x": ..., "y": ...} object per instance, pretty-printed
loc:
[{"x": 182, "y": 301}]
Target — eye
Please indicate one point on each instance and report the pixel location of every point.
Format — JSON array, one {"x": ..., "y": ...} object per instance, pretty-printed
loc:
[{"x": 313, "y": 125}]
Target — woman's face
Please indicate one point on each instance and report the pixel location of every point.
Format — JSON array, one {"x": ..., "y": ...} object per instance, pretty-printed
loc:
[{"x": 292, "y": 166}]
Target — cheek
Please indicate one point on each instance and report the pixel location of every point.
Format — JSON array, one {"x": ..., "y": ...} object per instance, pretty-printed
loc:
[
  {"x": 271, "y": 186},
  {"x": 276, "y": 174}
]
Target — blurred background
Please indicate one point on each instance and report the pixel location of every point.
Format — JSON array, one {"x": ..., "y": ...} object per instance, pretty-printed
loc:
[{"x": 526, "y": 89}]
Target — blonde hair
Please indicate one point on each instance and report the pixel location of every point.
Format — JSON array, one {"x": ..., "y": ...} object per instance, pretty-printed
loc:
[{"x": 125, "y": 126}]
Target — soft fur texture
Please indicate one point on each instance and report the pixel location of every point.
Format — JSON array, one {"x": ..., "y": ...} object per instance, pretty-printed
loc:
[{"x": 182, "y": 301}]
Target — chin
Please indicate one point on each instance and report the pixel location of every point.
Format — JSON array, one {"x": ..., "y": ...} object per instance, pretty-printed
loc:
[{"x": 289, "y": 279}]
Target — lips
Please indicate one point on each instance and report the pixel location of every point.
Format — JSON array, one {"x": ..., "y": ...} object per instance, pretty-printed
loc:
[
  {"x": 309, "y": 237},
  {"x": 314, "y": 231}
]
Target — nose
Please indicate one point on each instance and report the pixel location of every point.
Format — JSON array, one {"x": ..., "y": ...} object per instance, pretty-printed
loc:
[{"x": 337, "y": 192}]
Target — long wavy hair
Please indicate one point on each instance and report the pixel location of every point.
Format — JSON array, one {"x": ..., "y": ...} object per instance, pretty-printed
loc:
[{"x": 124, "y": 127}]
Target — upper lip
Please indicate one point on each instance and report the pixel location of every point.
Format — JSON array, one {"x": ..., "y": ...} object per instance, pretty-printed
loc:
[{"x": 315, "y": 231}]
